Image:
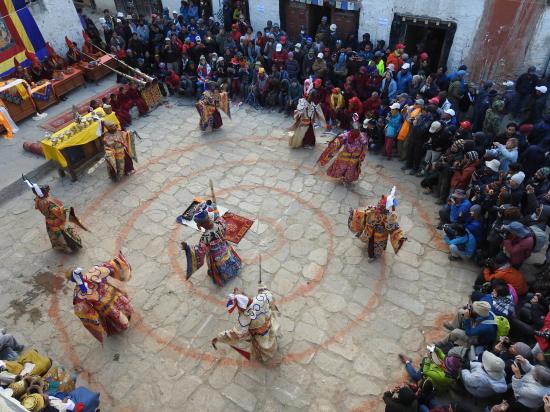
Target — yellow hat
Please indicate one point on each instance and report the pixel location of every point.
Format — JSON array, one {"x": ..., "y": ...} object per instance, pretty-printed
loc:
[
  {"x": 261, "y": 70},
  {"x": 33, "y": 402}
]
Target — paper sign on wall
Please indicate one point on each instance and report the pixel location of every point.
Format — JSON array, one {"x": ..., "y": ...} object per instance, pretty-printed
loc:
[
  {"x": 260, "y": 8},
  {"x": 383, "y": 21}
]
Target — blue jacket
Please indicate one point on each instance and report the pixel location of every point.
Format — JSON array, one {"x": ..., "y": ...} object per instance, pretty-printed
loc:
[
  {"x": 392, "y": 89},
  {"x": 463, "y": 209},
  {"x": 394, "y": 125},
  {"x": 475, "y": 227},
  {"x": 504, "y": 156},
  {"x": 403, "y": 81},
  {"x": 468, "y": 239},
  {"x": 486, "y": 334}
]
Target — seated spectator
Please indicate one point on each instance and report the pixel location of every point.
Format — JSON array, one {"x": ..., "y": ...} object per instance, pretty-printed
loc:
[
  {"x": 485, "y": 378},
  {"x": 462, "y": 244},
  {"x": 401, "y": 399},
  {"x": 473, "y": 325},
  {"x": 500, "y": 268},
  {"x": 457, "y": 209},
  {"x": 530, "y": 383},
  {"x": 518, "y": 243}
]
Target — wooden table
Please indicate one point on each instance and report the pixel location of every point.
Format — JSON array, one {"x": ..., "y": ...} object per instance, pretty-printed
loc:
[
  {"x": 21, "y": 111},
  {"x": 93, "y": 74},
  {"x": 78, "y": 150},
  {"x": 41, "y": 105},
  {"x": 69, "y": 82}
]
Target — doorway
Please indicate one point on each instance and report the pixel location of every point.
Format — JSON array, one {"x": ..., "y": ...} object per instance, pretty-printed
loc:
[
  {"x": 316, "y": 13},
  {"x": 421, "y": 34}
]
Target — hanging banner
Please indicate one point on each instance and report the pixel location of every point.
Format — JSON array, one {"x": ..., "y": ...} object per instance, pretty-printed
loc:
[{"x": 18, "y": 32}]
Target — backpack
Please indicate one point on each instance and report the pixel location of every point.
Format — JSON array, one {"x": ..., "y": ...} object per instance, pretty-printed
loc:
[
  {"x": 539, "y": 237},
  {"x": 503, "y": 325}
]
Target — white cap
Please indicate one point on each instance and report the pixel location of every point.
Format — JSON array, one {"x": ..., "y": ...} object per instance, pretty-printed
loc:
[
  {"x": 450, "y": 112},
  {"x": 435, "y": 127},
  {"x": 542, "y": 89},
  {"x": 167, "y": 39},
  {"x": 405, "y": 66},
  {"x": 129, "y": 17},
  {"x": 278, "y": 47},
  {"x": 118, "y": 21},
  {"x": 395, "y": 106},
  {"x": 297, "y": 46},
  {"x": 320, "y": 55},
  {"x": 508, "y": 83},
  {"x": 102, "y": 20},
  {"x": 366, "y": 122},
  {"x": 332, "y": 27},
  {"x": 494, "y": 165},
  {"x": 120, "y": 14},
  {"x": 174, "y": 12},
  {"x": 198, "y": 38}
]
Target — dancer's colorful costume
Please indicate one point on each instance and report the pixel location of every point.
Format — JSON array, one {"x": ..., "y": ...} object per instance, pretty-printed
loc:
[
  {"x": 100, "y": 300},
  {"x": 222, "y": 260},
  {"x": 376, "y": 224}
]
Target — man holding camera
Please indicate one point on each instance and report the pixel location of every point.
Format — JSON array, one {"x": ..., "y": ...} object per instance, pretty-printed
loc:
[
  {"x": 457, "y": 209},
  {"x": 462, "y": 244},
  {"x": 473, "y": 325}
]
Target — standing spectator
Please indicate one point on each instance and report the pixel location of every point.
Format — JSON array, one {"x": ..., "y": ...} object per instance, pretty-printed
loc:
[
  {"x": 393, "y": 125},
  {"x": 525, "y": 87}
]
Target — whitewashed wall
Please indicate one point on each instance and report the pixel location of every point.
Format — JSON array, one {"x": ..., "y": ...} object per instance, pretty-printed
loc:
[
  {"x": 261, "y": 11},
  {"x": 539, "y": 49},
  {"x": 376, "y": 18},
  {"x": 105, "y": 4},
  {"x": 57, "y": 19}
]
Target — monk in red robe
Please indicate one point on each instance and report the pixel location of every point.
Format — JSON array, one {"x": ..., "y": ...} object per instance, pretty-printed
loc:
[{"x": 122, "y": 113}]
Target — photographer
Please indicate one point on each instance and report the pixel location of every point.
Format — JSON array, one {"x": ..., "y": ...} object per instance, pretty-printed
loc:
[
  {"x": 462, "y": 244},
  {"x": 457, "y": 209},
  {"x": 499, "y": 269},
  {"x": 473, "y": 325},
  {"x": 518, "y": 243},
  {"x": 507, "y": 351},
  {"x": 464, "y": 169}
]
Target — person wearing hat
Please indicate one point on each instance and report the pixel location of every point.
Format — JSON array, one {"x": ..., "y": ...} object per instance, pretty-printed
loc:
[
  {"x": 409, "y": 113},
  {"x": 499, "y": 268},
  {"x": 418, "y": 137},
  {"x": 456, "y": 90},
  {"x": 100, "y": 300},
  {"x": 448, "y": 118},
  {"x": 464, "y": 169},
  {"x": 307, "y": 63},
  {"x": 306, "y": 114},
  {"x": 505, "y": 154},
  {"x": 457, "y": 209},
  {"x": 537, "y": 104},
  {"x": 63, "y": 237},
  {"x": 319, "y": 66},
  {"x": 493, "y": 118},
  {"x": 396, "y": 57},
  {"x": 438, "y": 141},
  {"x": 258, "y": 325},
  {"x": 518, "y": 243},
  {"x": 485, "y": 378},
  {"x": 292, "y": 66},
  {"x": 473, "y": 325},
  {"x": 525, "y": 88},
  {"x": 393, "y": 125},
  {"x": 404, "y": 78},
  {"x": 530, "y": 383},
  {"x": 118, "y": 151},
  {"x": 323, "y": 30}
]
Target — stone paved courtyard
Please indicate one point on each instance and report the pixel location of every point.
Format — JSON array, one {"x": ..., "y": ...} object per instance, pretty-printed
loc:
[{"x": 343, "y": 320}]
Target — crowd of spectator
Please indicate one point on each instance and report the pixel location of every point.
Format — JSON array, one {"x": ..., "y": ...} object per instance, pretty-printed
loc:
[{"x": 481, "y": 150}]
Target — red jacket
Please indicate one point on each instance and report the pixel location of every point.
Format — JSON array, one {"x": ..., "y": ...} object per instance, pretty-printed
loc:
[
  {"x": 543, "y": 343},
  {"x": 461, "y": 178}
]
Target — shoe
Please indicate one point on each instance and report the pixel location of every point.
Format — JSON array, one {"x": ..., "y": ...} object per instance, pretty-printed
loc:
[
  {"x": 448, "y": 326},
  {"x": 454, "y": 258},
  {"x": 427, "y": 191},
  {"x": 420, "y": 174},
  {"x": 413, "y": 172},
  {"x": 405, "y": 168},
  {"x": 404, "y": 358}
]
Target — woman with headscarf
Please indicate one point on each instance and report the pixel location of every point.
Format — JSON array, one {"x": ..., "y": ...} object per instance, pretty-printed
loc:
[
  {"x": 223, "y": 262},
  {"x": 99, "y": 299}
]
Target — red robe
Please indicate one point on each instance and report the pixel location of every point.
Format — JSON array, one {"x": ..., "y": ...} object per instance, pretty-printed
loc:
[{"x": 133, "y": 97}]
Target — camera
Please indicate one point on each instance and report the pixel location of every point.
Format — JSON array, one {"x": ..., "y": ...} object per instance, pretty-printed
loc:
[
  {"x": 450, "y": 230},
  {"x": 545, "y": 334}
]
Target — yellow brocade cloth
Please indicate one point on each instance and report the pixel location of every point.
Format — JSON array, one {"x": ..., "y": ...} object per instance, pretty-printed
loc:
[{"x": 87, "y": 134}]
